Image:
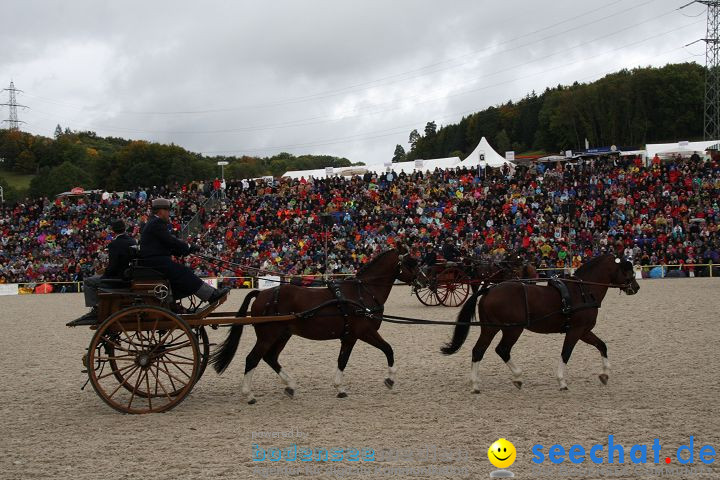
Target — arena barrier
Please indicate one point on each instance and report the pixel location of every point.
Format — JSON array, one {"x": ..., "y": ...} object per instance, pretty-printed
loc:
[{"x": 688, "y": 270}]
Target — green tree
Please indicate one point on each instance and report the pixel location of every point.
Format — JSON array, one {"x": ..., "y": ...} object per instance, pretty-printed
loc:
[
  {"x": 430, "y": 129},
  {"x": 502, "y": 142},
  {"x": 399, "y": 155},
  {"x": 10, "y": 194},
  {"x": 414, "y": 137},
  {"x": 62, "y": 178},
  {"x": 26, "y": 162}
]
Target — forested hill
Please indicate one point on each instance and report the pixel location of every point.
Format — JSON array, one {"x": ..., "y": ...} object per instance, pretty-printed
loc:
[
  {"x": 628, "y": 108},
  {"x": 84, "y": 159}
]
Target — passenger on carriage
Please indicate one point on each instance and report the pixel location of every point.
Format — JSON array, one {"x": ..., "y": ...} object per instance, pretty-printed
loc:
[
  {"x": 450, "y": 251},
  {"x": 429, "y": 258},
  {"x": 157, "y": 245},
  {"x": 119, "y": 253}
]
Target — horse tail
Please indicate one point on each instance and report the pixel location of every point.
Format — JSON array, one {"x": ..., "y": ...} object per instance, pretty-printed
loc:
[
  {"x": 462, "y": 328},
  {"x": 221, "y": 358}
]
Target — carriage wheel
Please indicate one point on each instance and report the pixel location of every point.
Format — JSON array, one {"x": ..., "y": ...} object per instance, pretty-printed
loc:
[
  {"x": 453, "y": 287},
  {"x": 144, "y": 359},
  {"x": 427, "y": 294},
  {"x": 203, "y": 345}
]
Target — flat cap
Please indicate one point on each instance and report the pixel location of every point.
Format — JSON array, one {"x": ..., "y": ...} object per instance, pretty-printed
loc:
[{"x": 160, "y": 203}]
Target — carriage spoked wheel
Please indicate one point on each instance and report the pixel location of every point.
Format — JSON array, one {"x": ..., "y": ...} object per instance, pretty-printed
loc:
[
  {"x": 145, "y": 359},
  {"x": 426, "y": 291},
  {"x": 203, "y": 345},
  {"x": 453, "y": 287}
]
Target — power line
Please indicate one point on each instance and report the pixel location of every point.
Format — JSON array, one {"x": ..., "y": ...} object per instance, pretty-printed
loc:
[
  {"x": 391, "y": 106},
  {"x": 395, "y": 78}
]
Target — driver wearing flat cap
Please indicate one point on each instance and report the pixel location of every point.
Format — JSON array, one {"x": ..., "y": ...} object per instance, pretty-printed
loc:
[{"x": 157, "y": 245}]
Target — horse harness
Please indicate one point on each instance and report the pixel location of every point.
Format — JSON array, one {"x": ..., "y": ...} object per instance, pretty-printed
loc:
[
  {"x": 348, "y": 307},
  {"x": 567, "y": 308}
]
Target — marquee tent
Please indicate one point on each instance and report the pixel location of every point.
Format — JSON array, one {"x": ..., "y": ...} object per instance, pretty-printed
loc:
[
  {"x": 492, "y": 158},
  {"x": 682, "y": 148}
]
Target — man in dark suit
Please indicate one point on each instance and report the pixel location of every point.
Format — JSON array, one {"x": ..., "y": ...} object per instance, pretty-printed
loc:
[
  {"x": 157, "y": 245},
  {"x": 119, "y": 253}
]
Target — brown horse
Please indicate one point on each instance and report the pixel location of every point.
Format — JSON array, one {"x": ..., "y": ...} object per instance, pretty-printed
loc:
[
  {"x": 515, "y": 306},
  {"x": 325, "y": 318}
]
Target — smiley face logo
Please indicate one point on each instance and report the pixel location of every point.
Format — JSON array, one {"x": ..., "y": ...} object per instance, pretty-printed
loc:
[{"x": 502, "y": 453}]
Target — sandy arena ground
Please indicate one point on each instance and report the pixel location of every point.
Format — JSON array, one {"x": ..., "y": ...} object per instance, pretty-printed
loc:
[{"x": 663, "y": 345}]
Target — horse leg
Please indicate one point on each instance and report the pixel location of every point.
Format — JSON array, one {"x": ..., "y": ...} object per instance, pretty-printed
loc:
[
  {"x": 591, "y": 339},
  {"x": 509, "y": 337},
  {"x": 271, "y": 358},
  {"x": 346, "y": 347},
  {"x": 571, "y": 338},
  {"x": 262, "y": 345},
  {"x": 372, "y": 337},
  {"x": 486, "y": 336}
]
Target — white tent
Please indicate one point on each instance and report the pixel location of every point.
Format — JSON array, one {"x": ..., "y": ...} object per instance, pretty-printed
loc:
[
  {"x": 441, "y": 163},
  {"x": 682, "y": 148},
  {"x": 492, "y": 158},
  {"x": 340, "y": 171}
]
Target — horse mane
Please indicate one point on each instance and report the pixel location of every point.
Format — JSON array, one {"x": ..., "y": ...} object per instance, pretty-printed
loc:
[
  {"x": 590, "y": 264},
  {"x": 372, "y": 262}
]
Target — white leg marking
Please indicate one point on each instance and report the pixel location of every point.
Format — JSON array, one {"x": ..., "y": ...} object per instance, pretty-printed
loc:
[
  {"x": 247, "y": 385},
  {"x": 338, "y": 381},
  {"x": 287, "y": 379},
  {"x": 606, "y": 366},
  {"x": 475, "y": 377},
  {"x": 392, "y": 371},
  {"x": 561, "y": 375},
  {"x": 516, "y": 371}
]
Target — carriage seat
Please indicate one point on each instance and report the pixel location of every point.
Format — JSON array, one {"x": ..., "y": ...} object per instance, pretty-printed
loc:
[
  {"x": 114, "y": 283},
  {"x": 145, "y": 273}
]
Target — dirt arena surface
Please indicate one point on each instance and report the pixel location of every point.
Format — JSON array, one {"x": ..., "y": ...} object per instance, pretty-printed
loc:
[{"x": 663, "y": 346}]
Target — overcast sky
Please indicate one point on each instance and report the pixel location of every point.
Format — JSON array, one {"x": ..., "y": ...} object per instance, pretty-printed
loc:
[{"x": 345, "y": 78}]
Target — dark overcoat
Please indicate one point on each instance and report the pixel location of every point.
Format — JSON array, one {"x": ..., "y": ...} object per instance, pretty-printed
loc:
[{"x": 157, "y": 245}]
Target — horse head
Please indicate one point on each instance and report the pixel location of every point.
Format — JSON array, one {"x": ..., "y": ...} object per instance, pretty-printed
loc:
[
  {"x": 623, "y": 275},
  {"x": 408, "y": 268}
]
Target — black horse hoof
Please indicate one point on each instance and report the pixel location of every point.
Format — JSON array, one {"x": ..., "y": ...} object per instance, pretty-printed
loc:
[
  {"x": 518, "y": 384},
  {"x": 475, "y": 391},
  {"x": 389, "y": 383},
  {"x": 341, "y": 395},
  {"x": 252, "y": 401},
  {"x": 564, "y": 389},
  {"x": 289, "y": 392},
  {"x": 603, "y": 378}
]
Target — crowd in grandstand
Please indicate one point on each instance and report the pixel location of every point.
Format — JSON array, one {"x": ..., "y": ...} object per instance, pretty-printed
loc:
[{"x": 557, "y": 217}]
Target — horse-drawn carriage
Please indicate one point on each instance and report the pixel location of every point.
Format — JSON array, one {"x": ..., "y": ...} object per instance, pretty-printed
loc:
[
  {"x": 149, "y": 350},
  {"x": 450, "y": 283}
]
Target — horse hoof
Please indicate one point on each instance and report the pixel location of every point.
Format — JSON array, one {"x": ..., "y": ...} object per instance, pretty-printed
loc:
[
  {"x": 289, "y": 392},
  {"x": 564, "y": 389},
  {"x": 341, "y": 395},
  {"x": 475, "y": 391},
  {"x": 389, "y": 383},
  {"x": 252, "y": 401},
  {"x": 603, "y": 378},
  {"x": 518, "y": 384}
]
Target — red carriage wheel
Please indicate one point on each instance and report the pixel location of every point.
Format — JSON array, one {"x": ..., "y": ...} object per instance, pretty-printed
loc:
[{"x": 453, "y": 287}]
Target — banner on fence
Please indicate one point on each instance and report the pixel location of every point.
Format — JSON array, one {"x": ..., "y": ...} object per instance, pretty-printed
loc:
[
  {"x": 268, "y": 281},
  {"x": 9, "y": 289},
  {"x": 211, "y": 281}
]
